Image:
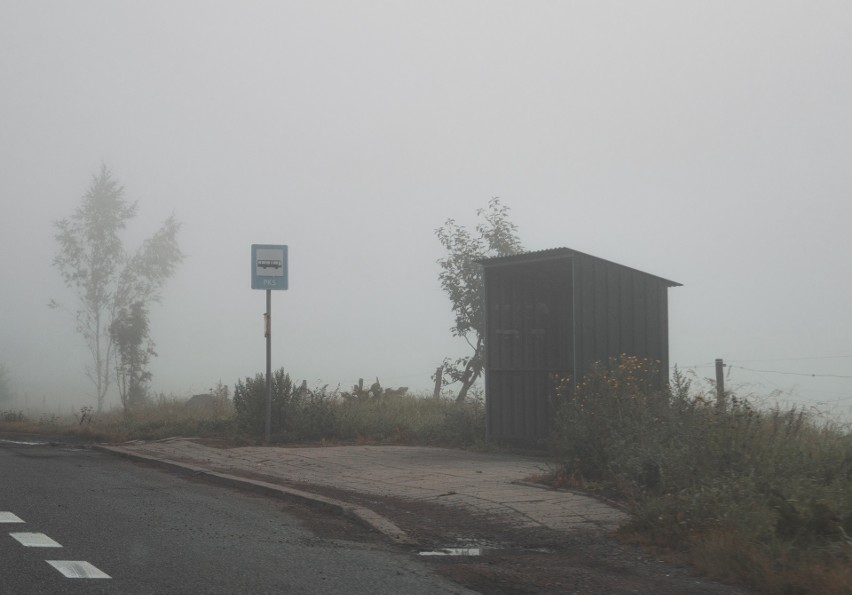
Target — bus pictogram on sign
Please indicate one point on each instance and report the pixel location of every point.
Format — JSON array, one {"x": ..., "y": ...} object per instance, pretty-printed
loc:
[{"x": 269, "y": 266}]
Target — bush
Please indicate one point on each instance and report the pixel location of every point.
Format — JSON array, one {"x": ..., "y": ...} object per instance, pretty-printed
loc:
[
  {"x": 250, "y": 402},
  {"x": 376, "y": 415},
  {"x": 754, "y": 494},
  {"x": 296, "y": 413},
  {"x": 12, "y": 416},
  {"x": 606, "y": 427}
]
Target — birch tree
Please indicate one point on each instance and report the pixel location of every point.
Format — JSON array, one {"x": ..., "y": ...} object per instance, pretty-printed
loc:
[{"x": 106, "y": 278}]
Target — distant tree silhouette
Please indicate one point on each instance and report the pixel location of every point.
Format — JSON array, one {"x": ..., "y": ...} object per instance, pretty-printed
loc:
[
  {"x": 108, "y": 280},
  {"x": 5, "y": 388},
  {"x": 129, "y": 335}
]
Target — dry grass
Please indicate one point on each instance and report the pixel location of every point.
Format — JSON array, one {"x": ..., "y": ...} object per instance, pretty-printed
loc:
[
  {"x": 756, "y": 497},
  {"x": 297, "y": 416},
  {"x": 159, "y": 418}
]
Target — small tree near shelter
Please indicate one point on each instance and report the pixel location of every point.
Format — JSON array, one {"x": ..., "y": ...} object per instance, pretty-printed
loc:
[{"x": 461, "y": 278}]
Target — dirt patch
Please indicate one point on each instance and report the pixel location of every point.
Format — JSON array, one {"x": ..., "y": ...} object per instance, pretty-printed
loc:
[{"x": 511, "y": 560}]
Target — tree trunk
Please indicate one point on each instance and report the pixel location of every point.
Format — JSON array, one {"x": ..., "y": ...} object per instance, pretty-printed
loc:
[{"x": 472, "y": 371}]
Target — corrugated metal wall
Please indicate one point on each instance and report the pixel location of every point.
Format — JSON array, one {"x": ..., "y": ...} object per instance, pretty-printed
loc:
[
  {"x": 529, "y": 339},
  {"x": 554, "y": 314},
  {"x": 619, "y": 310}
]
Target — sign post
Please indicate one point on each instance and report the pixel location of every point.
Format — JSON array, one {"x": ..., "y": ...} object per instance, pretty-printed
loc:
[{"x": 269, "y": 270}]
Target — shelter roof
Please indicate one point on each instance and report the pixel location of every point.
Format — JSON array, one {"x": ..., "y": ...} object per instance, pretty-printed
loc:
[{"x": 558, "y": 254}]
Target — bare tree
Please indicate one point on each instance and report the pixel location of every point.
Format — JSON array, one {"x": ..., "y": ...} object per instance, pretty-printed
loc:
[
  {"x": 106, "y": 278},
  {"x": 461, "y": 278}
]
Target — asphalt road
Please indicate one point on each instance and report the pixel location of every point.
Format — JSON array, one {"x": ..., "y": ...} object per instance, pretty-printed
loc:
[{"x": 153, "y": 532}]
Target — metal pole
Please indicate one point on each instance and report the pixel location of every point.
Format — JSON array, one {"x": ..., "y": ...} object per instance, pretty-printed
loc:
[
  {"x": 268, "y": 363},
  {"x": 720, "y": 384}
]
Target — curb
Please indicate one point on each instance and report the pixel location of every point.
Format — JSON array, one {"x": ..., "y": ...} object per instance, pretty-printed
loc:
[{"x": 364, "y": 516}]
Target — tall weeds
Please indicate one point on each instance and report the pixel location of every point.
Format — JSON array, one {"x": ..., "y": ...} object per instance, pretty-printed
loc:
[
  {"x": 756, "y": 496},
  {"x": 374, "y": 416},
  {"x": 298, "y": 414}
]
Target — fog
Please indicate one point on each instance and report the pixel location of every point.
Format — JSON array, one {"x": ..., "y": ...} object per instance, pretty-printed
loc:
[{"x": 707, "y": 143}]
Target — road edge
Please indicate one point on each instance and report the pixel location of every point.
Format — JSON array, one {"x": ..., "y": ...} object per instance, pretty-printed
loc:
[{"x": 364, "y": 516}]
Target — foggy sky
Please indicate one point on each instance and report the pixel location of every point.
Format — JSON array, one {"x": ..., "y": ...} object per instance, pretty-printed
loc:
[{"x": 707, "y": 143}]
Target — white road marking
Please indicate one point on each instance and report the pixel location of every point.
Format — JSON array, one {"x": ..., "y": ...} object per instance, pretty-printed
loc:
[
  {"x": 74, "y": 569},
  {"x": 68, "y": 568},
  {"x": 34, "y": 540}
]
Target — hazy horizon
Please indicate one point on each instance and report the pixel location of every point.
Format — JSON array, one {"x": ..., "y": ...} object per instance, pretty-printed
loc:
[{"x": 704, "y": 143}]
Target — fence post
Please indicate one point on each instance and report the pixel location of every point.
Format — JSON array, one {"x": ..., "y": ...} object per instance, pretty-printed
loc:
[
  {"x": 438, "y": 379},
  {"x": 720, "y": 384}
]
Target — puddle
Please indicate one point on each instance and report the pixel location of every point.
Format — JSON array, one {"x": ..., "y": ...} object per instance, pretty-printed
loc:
[
  {"x": 479, "y": 550},
  {"x": 455, "y": 551}
]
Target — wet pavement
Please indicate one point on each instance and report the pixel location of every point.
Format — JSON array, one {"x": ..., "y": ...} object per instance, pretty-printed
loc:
[{"x": 496, "y": 484}]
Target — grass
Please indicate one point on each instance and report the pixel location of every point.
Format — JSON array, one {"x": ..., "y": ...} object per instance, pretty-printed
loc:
[
  {"x": 298, "y": 415},
  {"x": 374, "y": 416},
  {"x": 761, "y": 497},
  {"x": 402, "y": 419},
  {"x": 747, "y": 495},
  {"x": 159, "y": 418}
]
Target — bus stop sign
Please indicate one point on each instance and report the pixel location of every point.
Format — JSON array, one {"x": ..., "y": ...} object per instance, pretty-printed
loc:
[{"x": 268, "y": 266}]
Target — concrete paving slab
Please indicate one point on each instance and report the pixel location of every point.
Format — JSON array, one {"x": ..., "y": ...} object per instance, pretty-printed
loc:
[{"x": 488, "y": 483}]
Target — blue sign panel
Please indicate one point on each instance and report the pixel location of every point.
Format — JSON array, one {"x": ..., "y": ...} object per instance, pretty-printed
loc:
[{"x": 268, "y": 266}]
